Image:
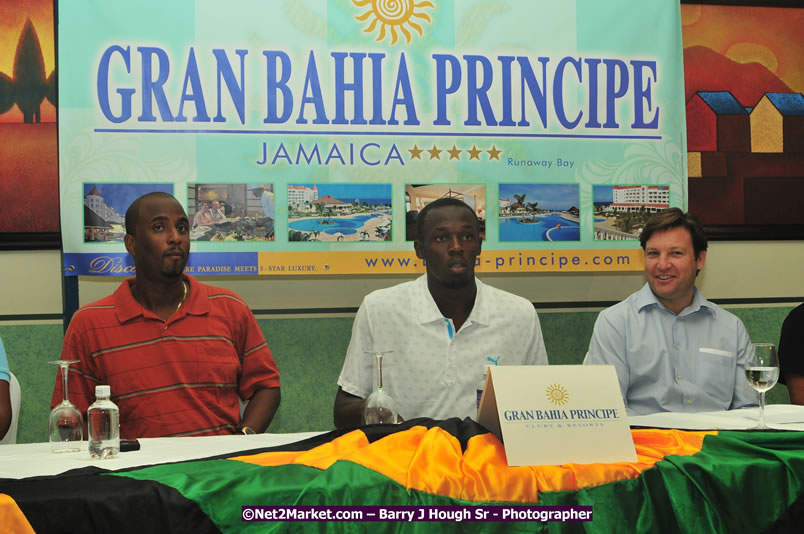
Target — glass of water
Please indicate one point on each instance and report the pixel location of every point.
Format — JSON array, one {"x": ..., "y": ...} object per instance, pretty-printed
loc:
[
  {"x": 65, "y": 425},
  {"x": 762, "y": 372},
  {"x": 380, "y": 406}
]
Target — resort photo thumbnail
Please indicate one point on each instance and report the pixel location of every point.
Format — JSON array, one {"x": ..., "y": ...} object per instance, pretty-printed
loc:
[
  {"x": 339, "y": 212},
  {"x": 231, "y": 212},
  {"x": 621, "y": 211},
  {"x": 539, "y": 212},
  {"x": 417, "y": 196},
  {"x": 105, "y": 207}
]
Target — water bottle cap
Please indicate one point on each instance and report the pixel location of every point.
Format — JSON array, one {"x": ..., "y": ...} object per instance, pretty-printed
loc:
[{"x": 103, "y": 391}]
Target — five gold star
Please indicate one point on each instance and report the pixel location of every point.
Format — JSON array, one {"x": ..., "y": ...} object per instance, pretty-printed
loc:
[{"x": 454, "y": 152}]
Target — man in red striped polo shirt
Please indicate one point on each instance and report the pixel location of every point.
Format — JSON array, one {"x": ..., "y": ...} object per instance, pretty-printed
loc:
[{"x": 178, "y": 354}]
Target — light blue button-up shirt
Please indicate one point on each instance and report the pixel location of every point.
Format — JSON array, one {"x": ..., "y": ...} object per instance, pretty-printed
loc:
[{"x": 690, "y": 362}]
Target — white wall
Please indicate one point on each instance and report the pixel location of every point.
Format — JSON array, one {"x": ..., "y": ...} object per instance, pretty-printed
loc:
[{"x": 30, "y": 281}]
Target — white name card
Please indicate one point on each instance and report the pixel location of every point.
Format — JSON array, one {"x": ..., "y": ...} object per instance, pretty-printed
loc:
[{"x": 557, "y": 414}]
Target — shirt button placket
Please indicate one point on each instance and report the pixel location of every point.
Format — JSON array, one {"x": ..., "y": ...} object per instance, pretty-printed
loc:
[
  {"x": 450, "y": 372},
  {"x": 678, "y": 362}
]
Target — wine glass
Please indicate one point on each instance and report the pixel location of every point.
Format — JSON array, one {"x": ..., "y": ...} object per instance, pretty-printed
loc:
[
  {"x": 380, "y": 406},
  {"x": 65, "y": 426},
  {"x": 762, "y": 372}
]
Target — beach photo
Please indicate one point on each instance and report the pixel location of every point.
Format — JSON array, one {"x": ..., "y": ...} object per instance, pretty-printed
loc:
[
  {"x": 105, "y": 207},
  {"x": 417, "y": 196},
  {"x": 539, "y": 212},
  {"x": 339, "y": 212},
  {"x": 621, "y": 211},
  {"x": 231, "y": 212}
]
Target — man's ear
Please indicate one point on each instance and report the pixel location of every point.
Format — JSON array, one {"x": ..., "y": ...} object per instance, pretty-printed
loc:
[
  {"x": 129, "y": 239},
  {"x": 418, "y": 246},
  {"x": 700, "y": 260}
]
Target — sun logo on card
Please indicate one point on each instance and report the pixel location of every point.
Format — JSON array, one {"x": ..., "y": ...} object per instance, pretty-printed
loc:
[
  {"x": 393, "y": 15},
  {"x": 557, "y": 394}
]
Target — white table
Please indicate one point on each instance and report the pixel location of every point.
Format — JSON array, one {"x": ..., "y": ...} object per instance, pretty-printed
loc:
[
  {"x": 35, "y": 459},
  {"x": 777, "y": 416}
]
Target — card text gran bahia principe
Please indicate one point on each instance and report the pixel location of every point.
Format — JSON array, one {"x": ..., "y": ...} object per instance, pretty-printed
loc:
[{"x": 555, "y": 415}]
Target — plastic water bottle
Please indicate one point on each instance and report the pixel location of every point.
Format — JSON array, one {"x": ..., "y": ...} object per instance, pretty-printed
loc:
[{"x": 104, "y": 425}]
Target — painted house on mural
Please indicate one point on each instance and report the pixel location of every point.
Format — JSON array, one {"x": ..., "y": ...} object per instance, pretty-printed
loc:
[
  {"x": 777, "y": 123},
  {"x": 745, "y": 167},
  {"x": 716, "y": 121},
  {"x": 718, "y": 124}
]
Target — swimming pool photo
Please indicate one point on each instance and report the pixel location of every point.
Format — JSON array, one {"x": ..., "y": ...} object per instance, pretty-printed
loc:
[
  {"x": 551, "y": 227},
  {"x": 332, "y": 225}
]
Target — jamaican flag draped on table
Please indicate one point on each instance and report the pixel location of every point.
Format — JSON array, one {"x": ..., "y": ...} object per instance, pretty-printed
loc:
[{"x": 683, "y": 481}]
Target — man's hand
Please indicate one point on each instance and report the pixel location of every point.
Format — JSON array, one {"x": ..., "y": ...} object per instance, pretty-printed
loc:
[{"x": 348, "y": 411}]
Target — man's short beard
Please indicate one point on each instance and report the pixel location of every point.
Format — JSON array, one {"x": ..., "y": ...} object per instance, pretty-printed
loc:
[{"x": 173, "y": 274}]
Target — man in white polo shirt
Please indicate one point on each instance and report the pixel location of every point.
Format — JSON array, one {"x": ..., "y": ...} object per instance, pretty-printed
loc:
[
  {"x": 674, "y": 351},
  {"x": 444, "y": 328}
]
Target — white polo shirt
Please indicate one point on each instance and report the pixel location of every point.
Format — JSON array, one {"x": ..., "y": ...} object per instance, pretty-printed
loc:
[{"x": 434, "y": 371}]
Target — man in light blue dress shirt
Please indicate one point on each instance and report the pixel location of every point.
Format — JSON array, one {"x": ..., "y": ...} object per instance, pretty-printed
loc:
[{"x": 673, "y": 349}]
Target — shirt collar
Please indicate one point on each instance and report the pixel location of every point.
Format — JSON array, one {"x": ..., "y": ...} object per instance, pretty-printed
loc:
[
  {"x": 480, "y": 313},
  {"x": 428, "y": 310},
  {"x": 646, "y": 298},
  {"x": 198, "y": 301},
  {"x": 127, "y": 307}
]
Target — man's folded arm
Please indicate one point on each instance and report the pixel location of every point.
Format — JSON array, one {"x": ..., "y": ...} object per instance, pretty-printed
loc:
[
  {"x": 261, "y": 409},
  {"x": 356, "y": 372},
  {"x": 348, "y": 411}
]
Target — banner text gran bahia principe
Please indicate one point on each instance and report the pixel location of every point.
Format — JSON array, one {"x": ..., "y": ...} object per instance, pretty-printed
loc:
[{"x": 149, "y": 85}]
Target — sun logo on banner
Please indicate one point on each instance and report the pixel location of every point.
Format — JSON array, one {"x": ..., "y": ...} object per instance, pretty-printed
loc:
[
  {"x": 557, "y": 394},
  {"x": 393, "y": 14}
]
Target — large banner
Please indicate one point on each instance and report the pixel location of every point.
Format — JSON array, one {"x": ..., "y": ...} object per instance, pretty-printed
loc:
[{"x": 304, "y": 136}]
